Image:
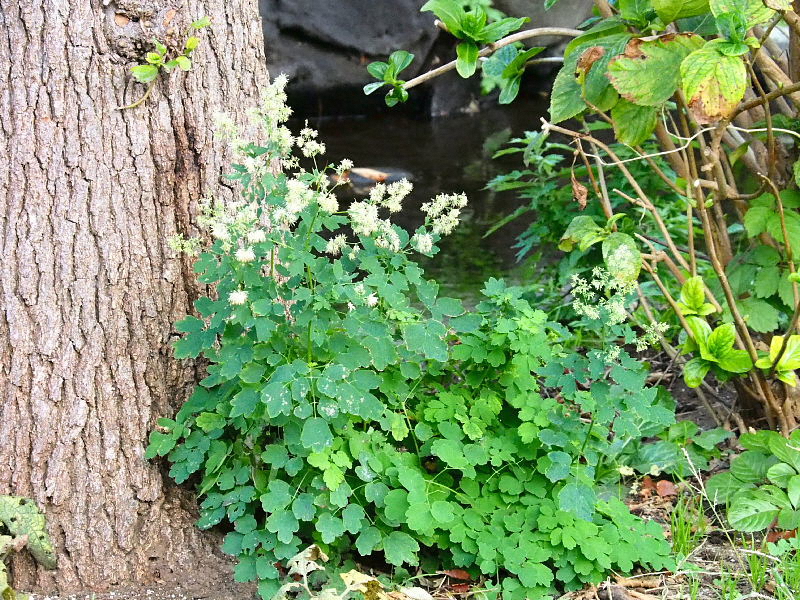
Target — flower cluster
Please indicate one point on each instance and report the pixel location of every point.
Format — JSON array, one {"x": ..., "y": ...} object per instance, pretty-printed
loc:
[
  {"x": 308, "y": 144},
  {"x": 604, "y": 298},
  {"x": 278, "y": 199},
  {"x": 444, "y": 211}
]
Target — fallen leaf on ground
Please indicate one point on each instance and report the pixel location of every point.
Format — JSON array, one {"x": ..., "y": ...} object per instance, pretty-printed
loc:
[
  {"x": 457, "y": 574},
  {"x": 666, "y": 488}
]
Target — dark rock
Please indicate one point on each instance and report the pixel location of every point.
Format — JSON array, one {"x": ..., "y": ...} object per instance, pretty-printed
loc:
[{"x": 324, "y": 47}]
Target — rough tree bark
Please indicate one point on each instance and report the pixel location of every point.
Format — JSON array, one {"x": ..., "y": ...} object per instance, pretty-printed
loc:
[{"x": 89, "y": 288}]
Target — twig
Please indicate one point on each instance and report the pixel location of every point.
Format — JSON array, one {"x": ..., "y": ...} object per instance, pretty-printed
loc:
[{"x": 511, "y": 39}]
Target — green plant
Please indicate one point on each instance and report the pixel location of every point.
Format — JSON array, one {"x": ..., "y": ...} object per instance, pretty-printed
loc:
[
  {"x": 387, "y": 73},
  {"x": 727, "y": 584},
  {"x": 688, "y": 525},
  {"x": 680, "y": 450},
  {"x": 762, "y": 487},
  {"x": 22, "y": 525},
  {"x": 694, "y": 586},
  {"x": 348, "y": 406},
  {"x": 758, "y": 565},
  {"x": 786, "y": 570},
  {"x": 703, "y": 80},
  {"x": 473, "y": 28},
  {"x": 165, "y": 59}
]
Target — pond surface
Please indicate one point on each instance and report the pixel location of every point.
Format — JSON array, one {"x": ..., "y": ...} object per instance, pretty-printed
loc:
[{"x": 447, "y": 154}]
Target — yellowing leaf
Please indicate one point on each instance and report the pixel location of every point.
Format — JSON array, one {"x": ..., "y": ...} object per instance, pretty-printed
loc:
[
  {"x": 648, "y": 72},
  {"x": 713, "y": 83},
  {"x": 754, "y": 10}
]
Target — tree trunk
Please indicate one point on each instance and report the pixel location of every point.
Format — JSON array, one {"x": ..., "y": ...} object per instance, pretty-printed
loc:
[{"x": 89, "y": 196}]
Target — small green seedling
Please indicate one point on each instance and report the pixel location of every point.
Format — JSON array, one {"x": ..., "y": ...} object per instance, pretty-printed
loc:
[{"x": 164, "y": 59}]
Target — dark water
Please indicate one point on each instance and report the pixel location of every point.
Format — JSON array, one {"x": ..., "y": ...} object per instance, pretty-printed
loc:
[{"x": 447, "y": 154}]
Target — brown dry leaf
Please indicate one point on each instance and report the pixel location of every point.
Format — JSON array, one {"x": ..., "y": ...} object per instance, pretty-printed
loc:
[
  {"x": 648, "y": 487},
  {"x": 169, "y": 16},
  {"x": 579, "y": 192},
  {"x": 457, "y": 574},
  {"x": 121, "y": 20},
  {"x": 666, "y": 488},
  {"x": 460, "y": 588},
  {"x": 774, "y": 536},
  {"x": 589, "y": 57}
]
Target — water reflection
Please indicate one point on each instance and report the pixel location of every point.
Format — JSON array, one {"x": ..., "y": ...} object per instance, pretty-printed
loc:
[{"x": 451, "y": 154}]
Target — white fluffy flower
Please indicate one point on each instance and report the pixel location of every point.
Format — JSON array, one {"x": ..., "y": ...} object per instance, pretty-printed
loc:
[
  {"x": 351, "y": 307},
  {"x": 388, "y": 237},
  {"x": 245, "y": 255},
  {"x": 220, "y": 231},
  {"x": 377, "y": 193},
  {"x": 444, "y": 211},
  {"x": 372, "y": 300},
  {"x": 395, "y": 193},
  {"x": 445, "y": 223},
  {"x": 256, "y": 236},
  {"x": 328, "y": 203},
  {"x": 335, "y": 245},
  {"x": 238, "y": 297},
  {"x": 364, "y": 217},
  {"x": 423, "y": 242}
]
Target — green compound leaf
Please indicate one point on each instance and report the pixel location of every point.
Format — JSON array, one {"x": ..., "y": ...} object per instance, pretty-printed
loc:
[
  {"x": 578, "y": 499},
  {"x": 316, "y": 434},
  {"x": 400, "y": 548},
  {"x": 427, "y": 339},
  {"x": 760, "y": 315},
  {"x": 648, "y": 73},
  {"x": 331, "y": 528},
  {"x": 713, "y": 83},
  {"x": 442, "y": 511},
  {"x": 368, "y": 540}
]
